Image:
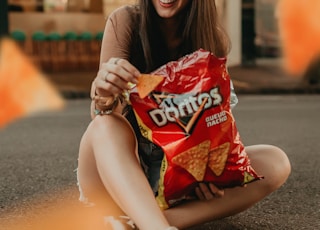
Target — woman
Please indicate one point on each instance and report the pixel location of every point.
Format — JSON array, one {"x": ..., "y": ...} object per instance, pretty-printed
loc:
[{"x": 140, "y": 39}]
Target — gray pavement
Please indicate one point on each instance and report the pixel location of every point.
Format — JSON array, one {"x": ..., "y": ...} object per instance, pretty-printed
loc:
[{"x": 39, "y": 154}]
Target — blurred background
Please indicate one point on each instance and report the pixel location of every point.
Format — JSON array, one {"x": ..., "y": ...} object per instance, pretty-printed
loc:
[
  {"x": 63, "y": 36},
  {"x": 251, "y": 24}
]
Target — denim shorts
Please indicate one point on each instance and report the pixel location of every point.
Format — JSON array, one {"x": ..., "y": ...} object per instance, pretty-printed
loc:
[{"x": 151, "y": 157}]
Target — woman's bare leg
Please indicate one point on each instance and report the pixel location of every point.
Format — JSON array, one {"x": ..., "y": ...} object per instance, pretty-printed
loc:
[
  {"x": 269, "y": 161},
  {"x": 108, "y": 163}
]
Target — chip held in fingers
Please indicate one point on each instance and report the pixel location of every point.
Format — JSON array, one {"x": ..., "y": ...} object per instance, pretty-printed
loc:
[{"x": 147, "y": 83}]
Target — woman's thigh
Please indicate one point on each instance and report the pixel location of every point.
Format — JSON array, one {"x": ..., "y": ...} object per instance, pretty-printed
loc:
[{"x": 97, "y": 139}]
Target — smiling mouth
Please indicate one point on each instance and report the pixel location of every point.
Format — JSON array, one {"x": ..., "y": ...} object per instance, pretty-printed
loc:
[{"x": 167, "y": 1}]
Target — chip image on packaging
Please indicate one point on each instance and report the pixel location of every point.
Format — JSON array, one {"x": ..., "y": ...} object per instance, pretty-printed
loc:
[
  {"x": 218, "y": 158},
  {"x": 194, "y": 160}
]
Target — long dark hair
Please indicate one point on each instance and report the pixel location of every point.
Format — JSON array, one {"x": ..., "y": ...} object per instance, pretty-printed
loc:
[{"x": 200, "y": 28}]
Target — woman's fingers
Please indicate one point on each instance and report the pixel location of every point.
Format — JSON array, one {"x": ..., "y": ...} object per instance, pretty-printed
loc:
[
  {"x": 103, "y": 87},
  {"x": 216, "y": 191},
  {"x": 114, "y": 76},
  {"x": 127, "y": 68},
  {"x": 199, "y": 194},
  {"x": 208, "y": 192},
  {"x": 122, "y": 69}
]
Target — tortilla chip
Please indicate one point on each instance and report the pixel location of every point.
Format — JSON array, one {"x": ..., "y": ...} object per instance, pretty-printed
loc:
[
  {"x": 194, "y": 160},
  {"x": 23, "y": 88},
  {"x": 147, "y": 83},
  {"x": 218, "y": 158}
]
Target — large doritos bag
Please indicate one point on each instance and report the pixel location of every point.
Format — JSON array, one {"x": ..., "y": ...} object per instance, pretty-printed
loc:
[{"x": 188, "y": 115}]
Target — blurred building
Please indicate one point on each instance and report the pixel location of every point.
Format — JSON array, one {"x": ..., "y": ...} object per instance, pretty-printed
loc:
[
  {"x": 230, "y": 16},
  {"x": 266, "y": 29},
  {"x": 251, "y": 24},
  {"x": 61, "y": 35}
]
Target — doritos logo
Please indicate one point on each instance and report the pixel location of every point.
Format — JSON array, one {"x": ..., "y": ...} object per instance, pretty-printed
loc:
[{"x": 183, "y": 109}]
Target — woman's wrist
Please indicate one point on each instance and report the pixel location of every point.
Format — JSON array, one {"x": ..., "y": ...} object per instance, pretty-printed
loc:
[{"x": 105, "y": 105}]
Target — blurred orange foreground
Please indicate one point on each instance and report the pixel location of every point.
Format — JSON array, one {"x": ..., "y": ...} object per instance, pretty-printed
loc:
[
  {"x": 299, "y": 25},
  {"x": 23, "y": 88},
  {"x": 63, "y": 213}
]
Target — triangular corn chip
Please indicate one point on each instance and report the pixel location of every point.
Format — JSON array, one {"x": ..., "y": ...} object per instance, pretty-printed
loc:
[
  {"x": 218, "y": 158},
  {"x": 23, "y": 88},
  {"x": 147, "y": 83},
  {"x": 194, "y": 160}
]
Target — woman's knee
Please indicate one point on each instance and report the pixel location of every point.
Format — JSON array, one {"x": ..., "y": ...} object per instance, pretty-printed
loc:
[
  {"x": 110, "y": 126},
  {"x": 273, "y": 163},
  {"x": 281, "y": 162},
  {"x": 102, "y": 124},
  {"x": 111, "y": 133}
]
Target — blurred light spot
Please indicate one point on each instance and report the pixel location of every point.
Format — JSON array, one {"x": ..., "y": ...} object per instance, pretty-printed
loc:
[
  {"x": 23, "y": 88},
  {"x": 299, "y": 25}
]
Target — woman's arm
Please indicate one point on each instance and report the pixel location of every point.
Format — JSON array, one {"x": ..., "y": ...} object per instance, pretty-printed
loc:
[{"x": 115, "y": 71}]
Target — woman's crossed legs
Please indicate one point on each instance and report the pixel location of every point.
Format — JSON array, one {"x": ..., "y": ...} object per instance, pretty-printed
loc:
[{"x": 109, "y": 166}]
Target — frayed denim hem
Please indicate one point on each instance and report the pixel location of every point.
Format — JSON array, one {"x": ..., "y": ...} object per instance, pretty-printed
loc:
[{"x": 82, "y": 198}]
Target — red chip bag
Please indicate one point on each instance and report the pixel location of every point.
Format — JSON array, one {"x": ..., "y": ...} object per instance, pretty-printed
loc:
[{"x": 189, "y": 116}]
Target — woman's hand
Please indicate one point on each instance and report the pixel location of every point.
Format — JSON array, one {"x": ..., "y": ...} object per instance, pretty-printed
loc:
[
  {"x": 208, "y": 192},
  {"x": 113, "y": 77}
]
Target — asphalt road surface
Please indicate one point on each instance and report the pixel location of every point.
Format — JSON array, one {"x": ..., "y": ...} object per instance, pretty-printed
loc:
[{"x": 39, "y": 155}]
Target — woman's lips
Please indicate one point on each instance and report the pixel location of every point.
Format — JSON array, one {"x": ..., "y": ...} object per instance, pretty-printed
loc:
[{"x": 167, "y": 3}]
